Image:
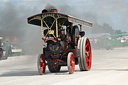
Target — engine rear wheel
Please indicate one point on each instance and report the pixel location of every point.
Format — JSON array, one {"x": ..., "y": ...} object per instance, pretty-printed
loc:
[
  {"x": 87, "y": 55},
  {"x": 85, "y": 58},
  {"x": 71, "y": 63},
  {"x": 41, "y": 64}
]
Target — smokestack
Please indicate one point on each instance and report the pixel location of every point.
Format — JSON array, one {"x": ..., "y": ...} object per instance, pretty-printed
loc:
[{"x": 50, "y": 8}]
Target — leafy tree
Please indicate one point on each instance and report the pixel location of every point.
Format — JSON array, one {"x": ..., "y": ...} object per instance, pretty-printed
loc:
[
  {"x": 104, "y": 28},
  {"x": 118, "y": 32}
]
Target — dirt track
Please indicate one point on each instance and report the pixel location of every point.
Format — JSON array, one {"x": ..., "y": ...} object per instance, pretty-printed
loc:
[{"x": 109, "y": 67}]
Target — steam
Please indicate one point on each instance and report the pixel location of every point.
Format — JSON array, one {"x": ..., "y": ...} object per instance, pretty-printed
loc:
[{"x": 48, "y": 7}]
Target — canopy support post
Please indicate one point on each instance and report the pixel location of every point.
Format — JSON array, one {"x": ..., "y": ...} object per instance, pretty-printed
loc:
[
  {"x": 80, "y": 27},
  {"x": 42, "y": 31},
  {"x": 56, "y": 28}
]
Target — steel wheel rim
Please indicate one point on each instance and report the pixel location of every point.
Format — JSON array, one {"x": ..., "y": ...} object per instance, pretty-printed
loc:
[
  {"x": 88, "y": 54},
  {"x": 81, "y": 54},
  {"x": 79, "y": 58}
]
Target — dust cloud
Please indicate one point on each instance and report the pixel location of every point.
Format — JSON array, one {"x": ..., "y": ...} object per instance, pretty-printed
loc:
[{"x": 13, "y": 22}]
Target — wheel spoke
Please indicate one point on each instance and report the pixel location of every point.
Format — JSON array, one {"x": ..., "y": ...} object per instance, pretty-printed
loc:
[
  {"x": 88, "y": 60},
  {"x": 86, "y": 45}
]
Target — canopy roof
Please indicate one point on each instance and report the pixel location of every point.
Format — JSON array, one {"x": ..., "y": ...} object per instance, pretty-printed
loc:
[{"x": 61, "y": 18}]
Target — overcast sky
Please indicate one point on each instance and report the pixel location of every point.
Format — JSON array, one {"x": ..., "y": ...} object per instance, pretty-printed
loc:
[{"x": 113, "y": 12}]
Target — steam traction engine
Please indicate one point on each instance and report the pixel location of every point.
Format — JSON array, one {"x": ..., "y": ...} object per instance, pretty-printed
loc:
[{"x": 65, "y": 43}]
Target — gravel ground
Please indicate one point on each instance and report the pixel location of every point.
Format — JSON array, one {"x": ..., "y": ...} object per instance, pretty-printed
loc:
[{"x": 109, "y": 67}]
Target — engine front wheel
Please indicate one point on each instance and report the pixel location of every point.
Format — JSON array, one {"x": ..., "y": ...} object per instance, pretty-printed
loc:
[
  {"x": 71, "y": 63},
  {"x": 41, "y": 64}
]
